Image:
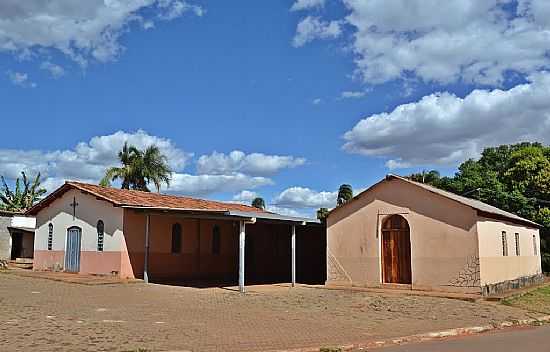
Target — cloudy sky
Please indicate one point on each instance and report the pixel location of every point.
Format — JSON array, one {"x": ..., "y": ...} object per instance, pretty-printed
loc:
[{"x": 282, "y": 99}]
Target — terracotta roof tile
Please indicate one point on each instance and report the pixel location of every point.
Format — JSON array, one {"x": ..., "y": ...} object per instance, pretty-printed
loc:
[{"x": 139, "y": 199}]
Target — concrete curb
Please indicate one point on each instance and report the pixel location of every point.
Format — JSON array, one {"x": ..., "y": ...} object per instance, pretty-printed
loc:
[{"x": 425, "y": 336}]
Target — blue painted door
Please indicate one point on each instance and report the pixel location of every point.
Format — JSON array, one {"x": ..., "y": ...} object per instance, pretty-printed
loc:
[{"x": 72, "y": 252}]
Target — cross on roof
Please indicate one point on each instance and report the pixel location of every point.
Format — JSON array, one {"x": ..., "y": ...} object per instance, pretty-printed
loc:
[{"x": 74, "y": 204}]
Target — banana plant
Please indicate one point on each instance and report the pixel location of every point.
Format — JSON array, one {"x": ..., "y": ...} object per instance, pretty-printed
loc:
[{"x": 24, "y": 196}]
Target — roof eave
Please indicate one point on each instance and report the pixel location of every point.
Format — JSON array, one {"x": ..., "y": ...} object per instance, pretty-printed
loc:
[
  {"x": 273, "y": 216},
  {"x": 520, "y": 221}
]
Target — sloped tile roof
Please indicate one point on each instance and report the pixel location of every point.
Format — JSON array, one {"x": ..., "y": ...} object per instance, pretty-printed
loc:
[
  {"x": 472, "y": 203},
  {"x": 139, "y": 199}
]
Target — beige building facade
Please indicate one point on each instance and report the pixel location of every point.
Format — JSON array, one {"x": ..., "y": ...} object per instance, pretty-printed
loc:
[
  {"x": 88, "y": 229},
  {"x": 405, "y": 234}
]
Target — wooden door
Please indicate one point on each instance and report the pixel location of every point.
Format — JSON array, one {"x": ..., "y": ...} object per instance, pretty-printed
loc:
[{"x": 396, "y": 251}]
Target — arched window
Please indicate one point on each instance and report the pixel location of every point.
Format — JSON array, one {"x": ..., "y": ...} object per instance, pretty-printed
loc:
[
  {"x": 100, "y": 235},
  {"x": 216, "y": 240},
  {"x": 176, "y": 238},
  {"x": 50, "y": 236}
]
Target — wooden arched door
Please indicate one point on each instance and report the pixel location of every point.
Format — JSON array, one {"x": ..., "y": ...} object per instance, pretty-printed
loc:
[{"x": 396, "y": 250}]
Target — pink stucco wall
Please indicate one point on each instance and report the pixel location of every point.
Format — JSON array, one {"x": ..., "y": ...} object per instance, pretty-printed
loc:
[
  {"x": 48, "y": 260},
  {"x": 443, "y": 238},
  {"x": 91, "y": 262},
  {"x": 196, "y": 259}
]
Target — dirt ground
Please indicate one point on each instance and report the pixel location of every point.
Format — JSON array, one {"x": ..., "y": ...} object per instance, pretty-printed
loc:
[{"x": 44, "y": 315}]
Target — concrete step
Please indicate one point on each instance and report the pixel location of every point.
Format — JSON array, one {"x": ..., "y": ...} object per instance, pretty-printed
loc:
[{"x": 22, "y": 263}]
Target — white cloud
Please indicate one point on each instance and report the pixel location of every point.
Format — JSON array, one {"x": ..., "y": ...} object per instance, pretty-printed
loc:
[
  {"x": 317, "y": 101},
  {"x": 176, "y": 8},
  {"x": 444, "y": 129},
  {"x": 55, "y": 70},
  {"x": 289, "y": 212},
  {"x": 301, "y": 197},
  {"x": 83, "y": 30},
  {"x": 307, "y": 4},
  {"x": 352, "y": 94},
  {"x": 441, "y": 41},
  {"x": 87, "y": 161},
  {"x": 311, "y": 28},
  {"x": 245, "y": 196},
  {"x": 201, "y": 185},
  {"x": 256, "y": 164},
  {"x": 20, "y": 79},
  {"x": 397, "y": 164}
]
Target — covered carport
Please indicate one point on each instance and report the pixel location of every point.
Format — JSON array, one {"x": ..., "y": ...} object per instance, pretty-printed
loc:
[{"x": 256, "y": 247}]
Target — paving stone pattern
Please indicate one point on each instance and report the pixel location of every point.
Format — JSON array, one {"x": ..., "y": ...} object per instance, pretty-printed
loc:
[{"x": 44, "y": 315}]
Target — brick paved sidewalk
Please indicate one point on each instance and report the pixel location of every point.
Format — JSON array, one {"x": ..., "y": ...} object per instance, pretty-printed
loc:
[
  {"x": 45, "y": 315},
  {"x": 69, "y": 277}
]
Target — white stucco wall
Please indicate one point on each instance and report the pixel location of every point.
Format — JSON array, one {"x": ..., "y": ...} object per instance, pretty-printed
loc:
[
  {"x": 88, "y": 212},
  {"x": 5, "y": 238},
  {"x": 28, "y": 222},
  {"x": 495, "y": 267}
]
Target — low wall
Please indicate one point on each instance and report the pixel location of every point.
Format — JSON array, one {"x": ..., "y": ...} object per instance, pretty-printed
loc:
[{"x": 494, "y": 289}]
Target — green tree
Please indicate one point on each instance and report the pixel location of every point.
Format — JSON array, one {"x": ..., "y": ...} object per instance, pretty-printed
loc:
[
  {"x": 322, "y": 214},
  {"x": 529, "y": 172},
  {"x": 345, "y": 193},
  {"x": 139, "y": 169},
  {"x": 259, "y": 203},
  {"x": 515, "y": 178},
  {"x": 24, "y": 196},
  {"x": 431, "y": 177}
]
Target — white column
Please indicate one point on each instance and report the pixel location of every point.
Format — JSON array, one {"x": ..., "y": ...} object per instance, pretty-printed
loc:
[
  {"x": 146, "y": 261},
  {"x": 293, "y": 255},
  {"x": 242, "y": 237}
]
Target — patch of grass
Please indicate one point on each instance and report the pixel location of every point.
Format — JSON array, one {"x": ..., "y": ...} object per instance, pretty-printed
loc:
[{"x": 536, "y": 301}]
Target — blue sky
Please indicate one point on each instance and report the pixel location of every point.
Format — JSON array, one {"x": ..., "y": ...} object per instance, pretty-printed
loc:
[{"x": 311, "y": 92}]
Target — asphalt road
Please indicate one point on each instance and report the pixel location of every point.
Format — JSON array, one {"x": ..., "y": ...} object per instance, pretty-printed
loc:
[{"x": 518, "y": 340}]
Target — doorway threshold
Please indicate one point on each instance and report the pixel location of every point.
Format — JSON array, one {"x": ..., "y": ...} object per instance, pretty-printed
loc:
[{"x": 398, "y": 286}]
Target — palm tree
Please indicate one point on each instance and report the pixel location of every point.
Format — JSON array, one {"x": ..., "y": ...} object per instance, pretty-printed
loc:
[
  {"x": 22, "y": 198},
  {"x": 139, "y": 168},
  {"x": 127, "y": 157},
  {"x": 345, "y": 193},
  {"x": 259, "y": 203}
]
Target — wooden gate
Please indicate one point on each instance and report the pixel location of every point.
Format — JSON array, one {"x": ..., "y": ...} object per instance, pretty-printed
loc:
[
  {"x": 396, "y": 251},
  {"x": 72, "y": 250}
]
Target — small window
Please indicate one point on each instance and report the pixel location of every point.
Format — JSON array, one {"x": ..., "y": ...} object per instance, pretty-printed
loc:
[
  {"x": 535, "y": 251},
  {"x": 100, "y": 235},
  {"x": 216, "y": 240},
  {"x": 50, "y": 236},
  {"x": 517, "y": 245},
  {"x": 176, "y": 238},
  {"x": 504, "y": 244}
]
